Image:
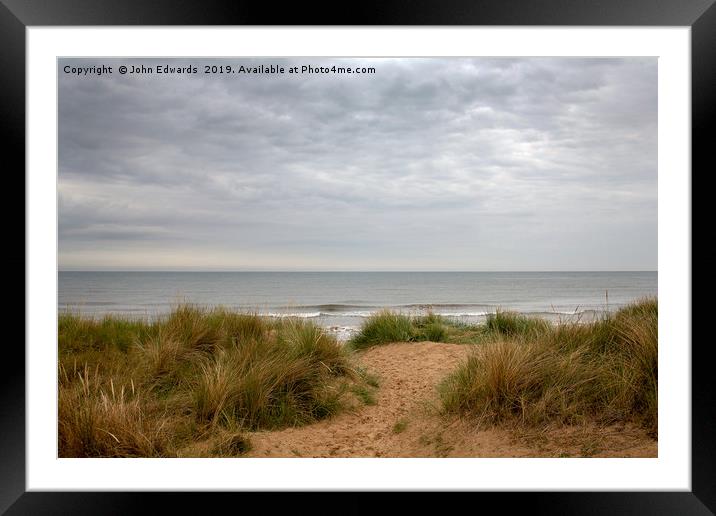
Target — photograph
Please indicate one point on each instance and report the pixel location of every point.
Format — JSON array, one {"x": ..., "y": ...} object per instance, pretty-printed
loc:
[
  {"x": 412, "y": 248},
  {"x": 417, "y": 250},
  {"x": 357, "y": 257}
]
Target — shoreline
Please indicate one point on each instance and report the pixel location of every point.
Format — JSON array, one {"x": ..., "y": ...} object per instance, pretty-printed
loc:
[{"x": 343, "y": 325}]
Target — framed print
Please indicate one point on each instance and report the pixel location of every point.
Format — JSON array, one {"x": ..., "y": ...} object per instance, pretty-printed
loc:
[{"x": 408, "y": 250}]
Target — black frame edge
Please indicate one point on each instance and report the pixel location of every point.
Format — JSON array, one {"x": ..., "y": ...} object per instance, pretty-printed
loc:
[
  {"x": 703, "y": 127},
  {"x": 12, "y": 382},
  {"x": 658, "y": 504},
  {"x": 387, "y": 12}
]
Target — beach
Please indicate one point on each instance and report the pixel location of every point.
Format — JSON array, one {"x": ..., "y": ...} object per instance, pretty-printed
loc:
[
  {"x": 405, "y": 421},
  {"x": 212, "y": 382}
]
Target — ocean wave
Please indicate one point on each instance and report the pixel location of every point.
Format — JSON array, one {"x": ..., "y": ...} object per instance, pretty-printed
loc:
[
  {"x": 302, "y": 315},
  {"x": 358, "y": 312},
  {"x": 342, "y": 307},
  {"x": 313, "y": 315},
  {"x": 330, "y": 307},
  {"x": 464, "y": 314},
  {"x": 429, "y": 306},
  {"x": 342, "y": 333},
  {"x": 362, "y": 314}
]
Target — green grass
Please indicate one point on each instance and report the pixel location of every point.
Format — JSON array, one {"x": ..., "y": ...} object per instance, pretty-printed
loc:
[
  {"x": 509, "y": 324},
  {"x": 386, "y": 327},
  {"x": 533, "y": 374},
  {"x": 80, "y": 334},
  {"x": 382, "y": 328},
  {"x": 194, "y": 382},
  {"x": 430, "y": 327}
]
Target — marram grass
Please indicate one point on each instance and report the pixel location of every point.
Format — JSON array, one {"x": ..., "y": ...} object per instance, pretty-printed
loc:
[
  {"x": 530, "y": 373},
  {"x": 387, "y": 327},
  {"x": 197, "y": 382},
  {"x": 194, "y": 382}
]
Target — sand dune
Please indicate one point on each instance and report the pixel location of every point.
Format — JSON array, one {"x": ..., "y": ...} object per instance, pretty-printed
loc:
[{"x": 404, "y": 422}]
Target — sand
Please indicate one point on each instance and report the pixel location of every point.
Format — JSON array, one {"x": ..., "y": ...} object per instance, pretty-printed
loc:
[{"x": 407, "y": 396}]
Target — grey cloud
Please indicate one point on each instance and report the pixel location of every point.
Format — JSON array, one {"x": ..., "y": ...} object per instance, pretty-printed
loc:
[{"x": 429, "y": 163}]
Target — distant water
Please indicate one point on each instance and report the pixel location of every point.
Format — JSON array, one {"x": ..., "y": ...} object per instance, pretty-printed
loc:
[{"x": 340, "y": 301}]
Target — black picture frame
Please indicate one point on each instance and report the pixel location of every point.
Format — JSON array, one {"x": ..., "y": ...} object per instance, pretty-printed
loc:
[{"x": 17, "y": 15}]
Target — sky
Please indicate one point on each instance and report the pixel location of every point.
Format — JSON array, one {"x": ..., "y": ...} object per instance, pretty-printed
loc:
[{"x": 426, "y": 164}]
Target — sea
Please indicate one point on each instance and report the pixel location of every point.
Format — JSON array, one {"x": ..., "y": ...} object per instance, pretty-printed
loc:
[{"x": 341, "y": 301}]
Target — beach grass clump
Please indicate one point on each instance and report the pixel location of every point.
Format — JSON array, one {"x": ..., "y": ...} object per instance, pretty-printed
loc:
[
  {"x": 457, "y": 332},
  {"x": 260, "y": 385},
  {"x": 310, "y": 341},
  {"x": 510, "y": 324},
  {"x": 193, "y": 328},
  {"x": 430, "y": 327},
  {"x": 434, "y": 332},
  {"x": 80, "y": 334},
  {"x": 133, "y": 388},
  {"x": 158, "y": 355},
  {"x": 106, "y": 421},
  {"x": 644, "y": 307},
  {"x": 240, "y": 327},
  {"x": 603, "y": 371},
  {"x": 382, "y": 328},
  {"x": 386, "y": 327}
]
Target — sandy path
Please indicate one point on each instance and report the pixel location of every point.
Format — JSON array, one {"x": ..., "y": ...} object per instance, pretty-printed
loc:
[{"x": 409, "y": 373}]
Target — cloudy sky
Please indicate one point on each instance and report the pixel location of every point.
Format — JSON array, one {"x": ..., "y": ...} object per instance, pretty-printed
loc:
[{"x": 426, "y": 164}]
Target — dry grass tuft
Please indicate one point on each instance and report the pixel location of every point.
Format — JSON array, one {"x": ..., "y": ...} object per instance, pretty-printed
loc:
[
  {"x": 162, "y": 388},
  {"x": 535, "y": 374}
]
